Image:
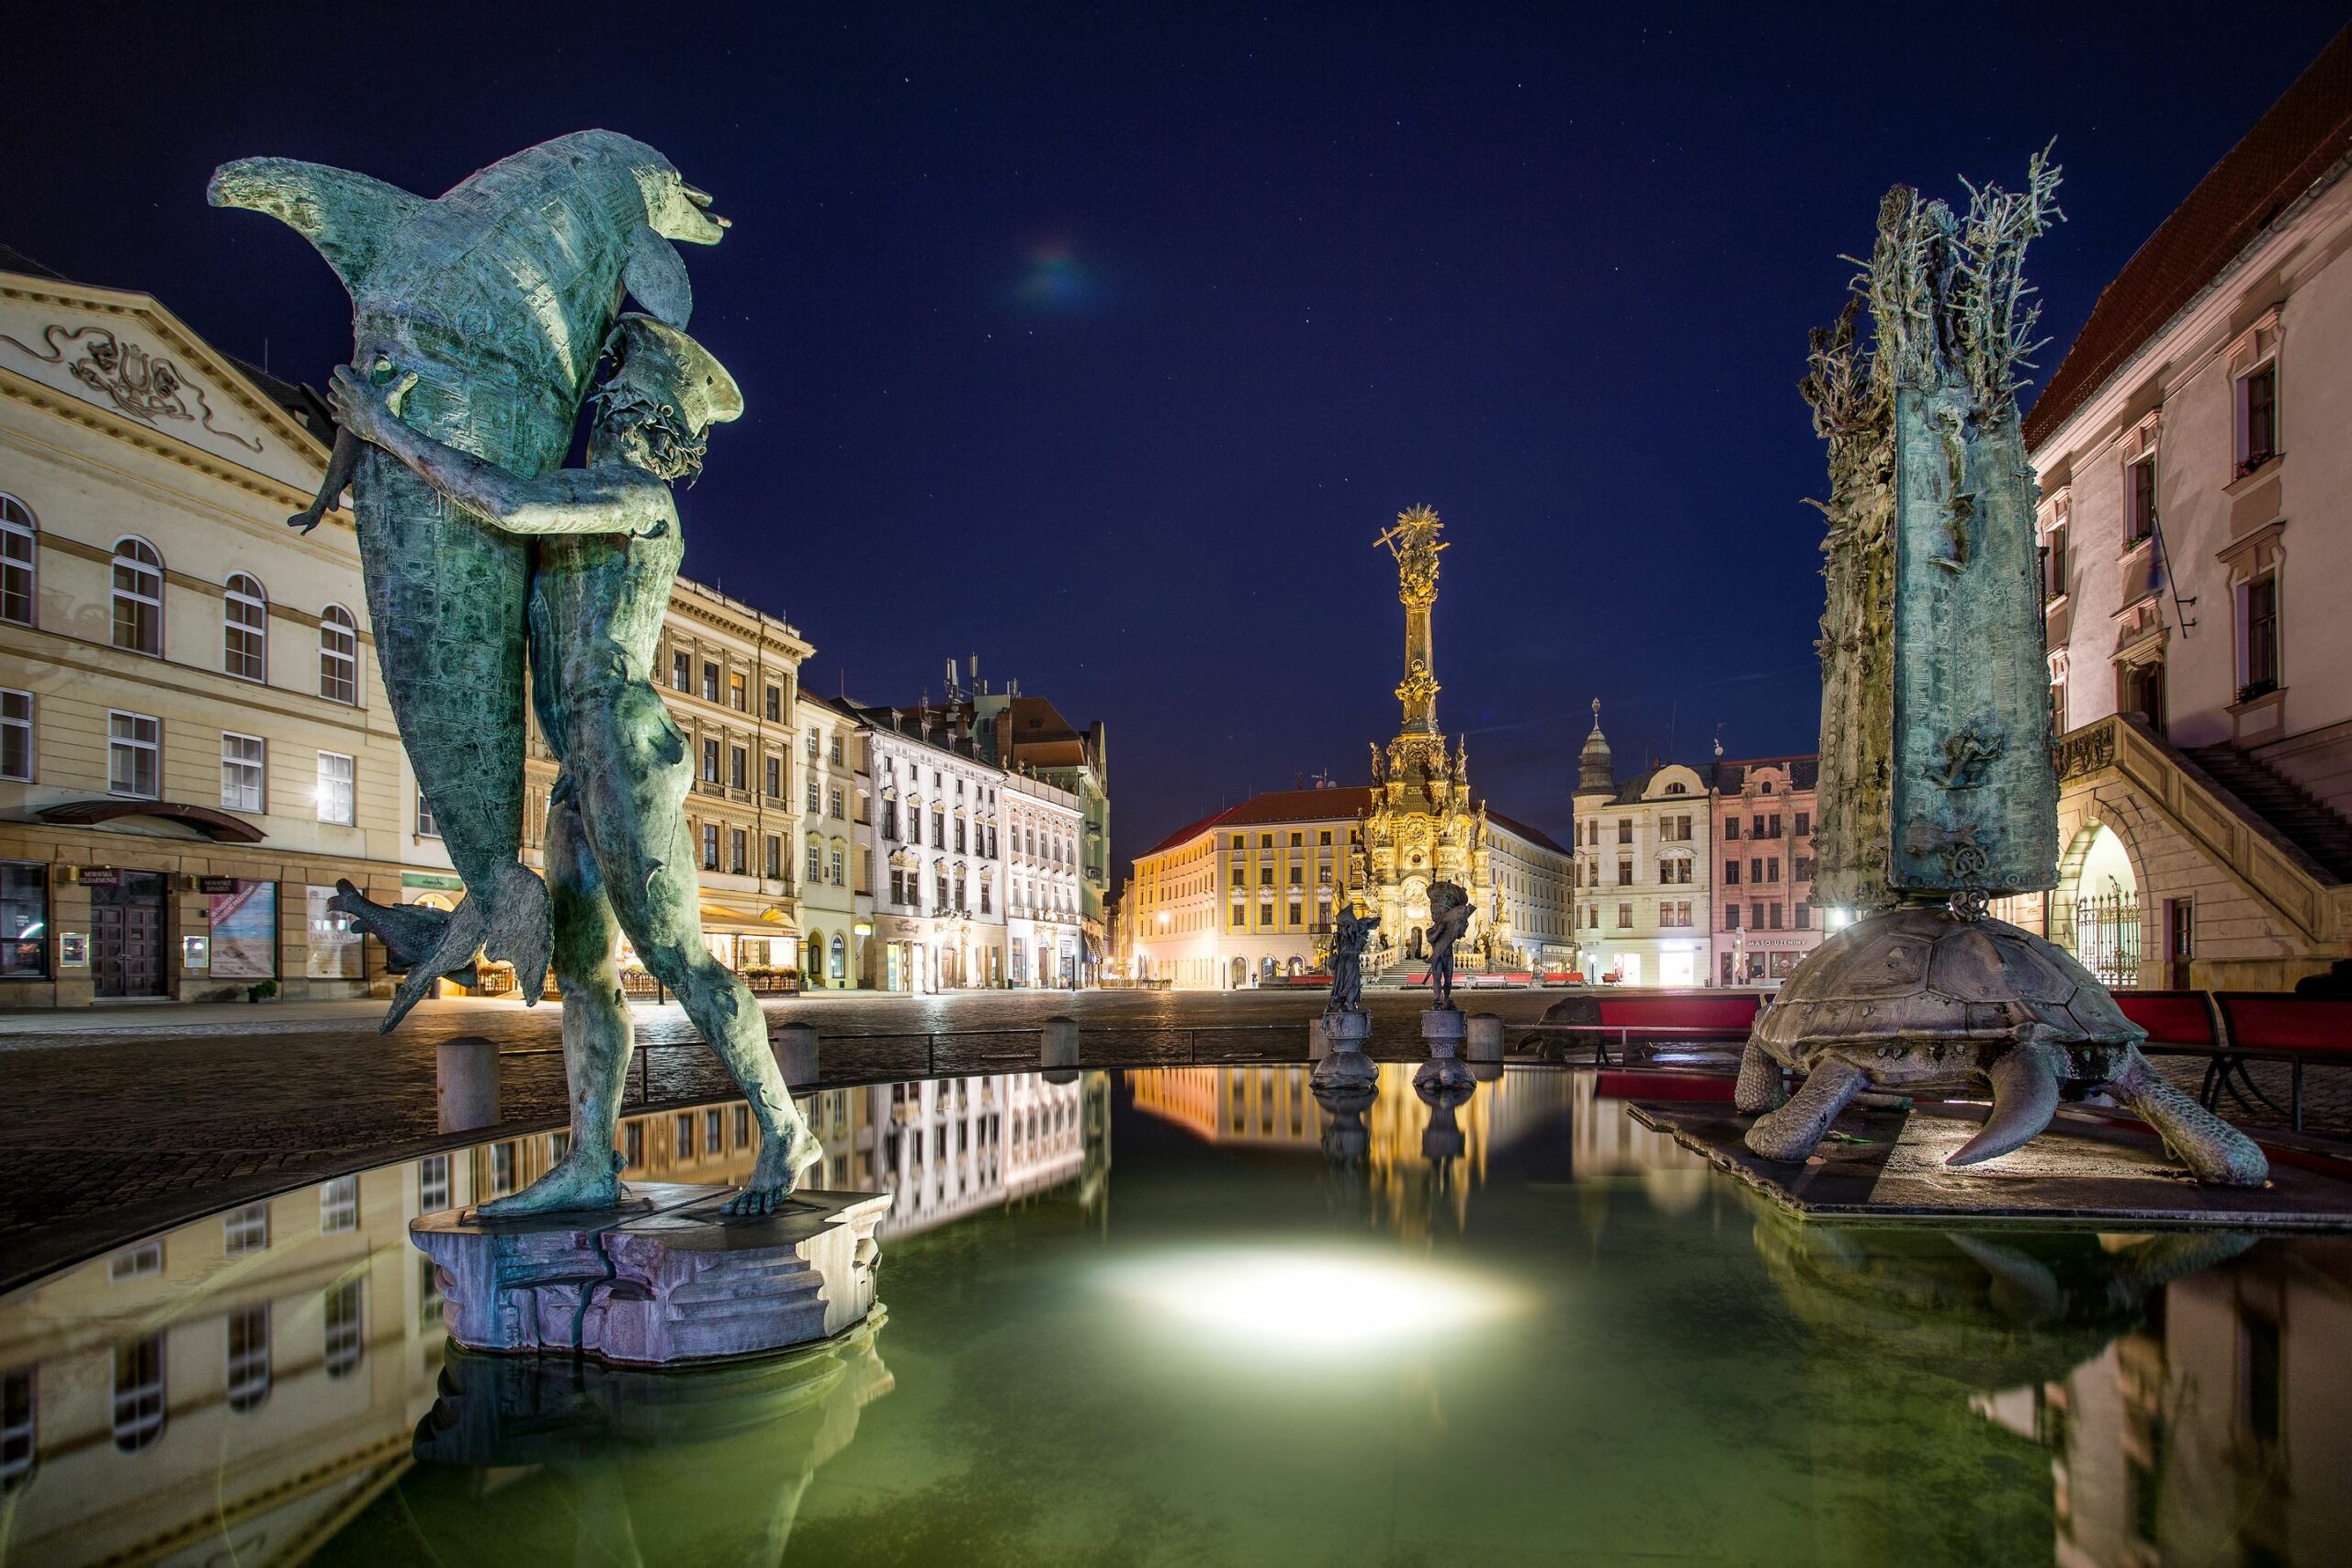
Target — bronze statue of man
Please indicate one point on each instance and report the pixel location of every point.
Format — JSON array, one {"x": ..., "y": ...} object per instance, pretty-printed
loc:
[
  {"x": 1350, "y": 933},
  {"x": 1451, "y": 913},
  {"x": 619, "y": 854}
]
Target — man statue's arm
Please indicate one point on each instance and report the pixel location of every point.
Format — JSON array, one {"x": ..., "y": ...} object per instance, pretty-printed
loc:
[{"x": 570, "y": 500}]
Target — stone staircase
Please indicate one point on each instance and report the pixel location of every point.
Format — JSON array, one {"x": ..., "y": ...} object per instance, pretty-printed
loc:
[{"x": 2295, "y": 814}]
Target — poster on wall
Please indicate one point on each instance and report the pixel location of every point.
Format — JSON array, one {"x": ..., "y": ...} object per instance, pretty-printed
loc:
[
  {"x": 335, "y": 941},
  {"x": 244, "y": 928}
]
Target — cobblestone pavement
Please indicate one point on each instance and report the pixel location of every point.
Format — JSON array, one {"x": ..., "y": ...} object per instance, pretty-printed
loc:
[{"x": 127, "y": 1119}]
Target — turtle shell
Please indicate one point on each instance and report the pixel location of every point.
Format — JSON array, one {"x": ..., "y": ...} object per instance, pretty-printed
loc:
[{"x": 1917, "y": 997}]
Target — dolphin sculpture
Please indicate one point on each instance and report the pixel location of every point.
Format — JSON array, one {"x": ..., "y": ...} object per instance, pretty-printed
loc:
[{"x": 497, "y": 298}]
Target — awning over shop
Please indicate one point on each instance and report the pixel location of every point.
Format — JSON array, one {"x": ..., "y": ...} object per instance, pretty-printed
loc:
[
  {"x": 757, "y": 922},
  {"x": 218, "y": 826}
]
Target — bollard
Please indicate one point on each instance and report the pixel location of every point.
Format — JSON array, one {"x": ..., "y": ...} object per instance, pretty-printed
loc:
[
  {"x": 1058, "y": 1043},
  {"x": 465, "y": 1083},
  {"x": 796, "y": 1054},
  {"x": 1485, "y": 1043}
]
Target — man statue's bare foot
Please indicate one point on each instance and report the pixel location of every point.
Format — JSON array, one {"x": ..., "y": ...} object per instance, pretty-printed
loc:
[
  {"x": 585, "y": 1178},
  {"x": 777, "y": 1173}
]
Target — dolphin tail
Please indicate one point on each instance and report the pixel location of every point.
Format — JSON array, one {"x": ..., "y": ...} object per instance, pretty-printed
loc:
[{"x": 348, "y": 217}]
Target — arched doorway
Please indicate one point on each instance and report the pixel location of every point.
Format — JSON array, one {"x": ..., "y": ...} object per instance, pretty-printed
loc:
[
  {"x": 1240, "y": 973},
  {"x": 1269, "y": 970},
  {"x": 2097, "y": 908}
]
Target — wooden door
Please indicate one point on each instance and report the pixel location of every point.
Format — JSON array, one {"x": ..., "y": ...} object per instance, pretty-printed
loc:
[{"x": 127, "y": 933}]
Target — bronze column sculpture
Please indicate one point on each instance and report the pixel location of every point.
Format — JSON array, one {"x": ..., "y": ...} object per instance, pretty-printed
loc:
[{"x": 1936, "y": 788}]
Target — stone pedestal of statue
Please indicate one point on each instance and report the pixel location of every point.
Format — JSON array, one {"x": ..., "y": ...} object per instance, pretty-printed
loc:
[
  {"x": 1345, "y": 1065},
  {"x": 1442, "y": 1031},
  {"x": 663, "y": 1279}
]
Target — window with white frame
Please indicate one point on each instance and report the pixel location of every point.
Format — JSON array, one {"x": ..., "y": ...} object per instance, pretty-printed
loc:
[
  {"x": 138, "y": 597},
  {"x": 2258, "y": 635},
  {"x": 710, "y": 846},
  {"x": 346, "y": 1342},
  {"x": 242, "y": 772},
  {"x": 2139, "y": 499},
  {"x": 245, "y": 1231},
  {"x": 426, "y": 827},
  {"x": 141, "y": 1262},
  {"x": 139, "y": 1393},
  {"x": 134, "y": 755},
  {"x": 431, "y": 1183},
  {"x": 249, "y": 1358},
  {"x": 19, "y": 571},
  {"x": 339, "y": 1205},
  {"x": 2054, "y": 563},
  {"x": 16, "y": 736},
  {"x": 338, "y": 796},
  {"x": 338, "y": 655},
  {"x": 244, "y": 628},
  {"x": 2058, "y": 662},
  {"x": 19, "y": 1429}
]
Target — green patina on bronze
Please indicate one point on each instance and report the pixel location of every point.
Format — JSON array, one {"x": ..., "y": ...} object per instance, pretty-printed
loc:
[
  {"x": 497, "y": 298},
  {"x": 1938, "y": 790}
]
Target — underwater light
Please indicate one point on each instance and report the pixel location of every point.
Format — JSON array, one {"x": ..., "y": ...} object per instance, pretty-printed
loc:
[{"x": 1325, "y": 1300}]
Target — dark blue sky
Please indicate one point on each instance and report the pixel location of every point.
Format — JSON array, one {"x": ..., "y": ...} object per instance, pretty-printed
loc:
[{"x": 1101, "y": 340}]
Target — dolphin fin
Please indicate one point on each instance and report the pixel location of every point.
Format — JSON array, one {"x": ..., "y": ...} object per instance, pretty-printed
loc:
[
  {"x": 348, "y": 217},
  {"x": 656, "y": 274}
]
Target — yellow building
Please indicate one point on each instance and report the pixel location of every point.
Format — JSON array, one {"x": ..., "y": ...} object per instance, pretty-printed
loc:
[{"x": 194, "y": 745}]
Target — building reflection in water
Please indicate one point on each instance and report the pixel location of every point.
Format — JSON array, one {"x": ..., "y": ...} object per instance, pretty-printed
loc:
[
  {"x": 1550, "y": 1120},
  {"x": 2187, "y": 1383},
  {"x": 238, "y": 1389}
]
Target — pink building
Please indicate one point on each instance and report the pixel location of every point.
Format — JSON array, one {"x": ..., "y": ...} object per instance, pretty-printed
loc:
[{"x": 1763, "y": 811}]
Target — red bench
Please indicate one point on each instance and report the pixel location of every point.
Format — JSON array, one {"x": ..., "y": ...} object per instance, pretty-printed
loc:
[
  {"x": 1691, "y": 1016},
  {"x": 2272, "y": 1026},
  {"x": 1619, "y": 1084}
]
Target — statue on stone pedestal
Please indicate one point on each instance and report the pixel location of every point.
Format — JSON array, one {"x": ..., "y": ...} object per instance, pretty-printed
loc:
[
  {"x": 1350, "y": 933},
  {"x": 496, "y": 298},
  {"x": 620, "y": 856},
  {"x": 1937, "y": 786},
  {"x": 1450, "y": 913}
]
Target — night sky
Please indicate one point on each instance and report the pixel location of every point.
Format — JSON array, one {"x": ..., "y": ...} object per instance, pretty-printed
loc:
[{"x": 1101, "y": 340}]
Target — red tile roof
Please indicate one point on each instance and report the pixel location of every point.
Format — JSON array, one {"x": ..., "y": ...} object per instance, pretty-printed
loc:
[
  {"x": 2305, "y": 134},
  {"x": 1314, "y": 806}
]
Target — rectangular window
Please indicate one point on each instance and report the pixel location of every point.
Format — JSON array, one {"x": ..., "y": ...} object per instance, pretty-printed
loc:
[
  {"x": 2053, "y": 563},
  {"x": 836, "y": 752},
  {"x": 774, "y": 709},
  {"x": 245, "y": 1231},
  {"x": 1755, "y": 869},
  {"x": 1625, "y": 874},
  {"x": 339, "y": 1205},
  {"x": 431, "y": 1183},
  {"x": 709, "y": 681},
  {"x": 426, "y": 827},
  {"x": 241, "y": 772},
  {"x": 2257, "y": 416},
  {"x": 682, "y": 671},
  {"x": 840, "y": 813},
  {"x": 816, "y": 862},
  {"x": 774, "y": 858},
  {"x": 345, "y": 1336},
  {"x": 739, "y": 768},
  {"x": 16, "y": 736},
  {"x": 141, "y": 1262},
  {"x": 1772, "y": 868},
  {"x": 775, "y": 779},
  {"x": 1731, "y": 829},
  {"x": 1730, "y": 917},
  {"x": 2261, "y": 598},
  {"x": 810, "y": 793},
  {"x": 134, "y": 755},
  {"x": 685, "y": 1135},
  {"x": 737, "y": 693},
  {"x": 137, "y": 1393},
  {"x": 710, "y": 762},
  {"x": 2138, "y": 500},
  {"x": 338, "y": 795},
  {"x": 1324, "y": 838},
  {"x": 1730, "y": 873},
  {"x": 248, "y": 1357},
  {"x": 1804, "y": 917},
  {"x": 1624, "y": 917},
  {"x": 1240, "y": 917},
  {"x": 710, "y": 846},
  {"x": 1625, "y": 830},
  {"x": 738, "y": 851},
  {"x": 1804, "y": 824}
]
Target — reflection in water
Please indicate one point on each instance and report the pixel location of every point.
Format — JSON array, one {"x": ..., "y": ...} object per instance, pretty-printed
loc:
[{"x": 1357, "y": 1329}]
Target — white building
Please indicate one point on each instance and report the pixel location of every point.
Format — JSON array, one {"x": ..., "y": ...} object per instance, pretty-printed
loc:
[
  {"x": 829, "y": 743},
  {"x": 1044, "y": 829},
  {"x": 1642, "y": 859},
  {"x": 939, "y": 921},
  {"x": 2196, "y": 523},
  {"x": 955, "y": 1146}
]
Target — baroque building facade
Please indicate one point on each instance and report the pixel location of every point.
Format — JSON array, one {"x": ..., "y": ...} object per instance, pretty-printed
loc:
[
  {"x": 1642, "y": 854},
  {"x": 2196, "y": 524}
]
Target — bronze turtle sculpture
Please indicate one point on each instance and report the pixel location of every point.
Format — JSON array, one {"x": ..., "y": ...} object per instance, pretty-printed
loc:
[{"x": 1918, "y": 999}]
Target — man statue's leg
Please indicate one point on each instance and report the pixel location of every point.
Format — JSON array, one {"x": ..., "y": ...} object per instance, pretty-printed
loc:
[
  {"x": 633, "y": 770},
  {"x": 597, "y": 1034}
]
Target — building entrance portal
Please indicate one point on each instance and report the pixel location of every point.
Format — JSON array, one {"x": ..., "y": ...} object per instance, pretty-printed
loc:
[{"x": 128, "y": 917}]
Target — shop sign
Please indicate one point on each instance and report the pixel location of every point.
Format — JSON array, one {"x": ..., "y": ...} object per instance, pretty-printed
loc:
[
  {"x": 209, "y": 885},
  {"x": 100, "y": 876}
]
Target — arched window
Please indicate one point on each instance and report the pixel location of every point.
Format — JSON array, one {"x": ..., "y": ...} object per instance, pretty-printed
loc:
[
  {"x": 138, "y": 597},
  {"x": 17, "y": 568},
  {"x": 838, "y": 971},
  {"x": 245, "y": 616},
  {"x": 814, "y": 965},
  {"x": 338, "y": 655}
]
